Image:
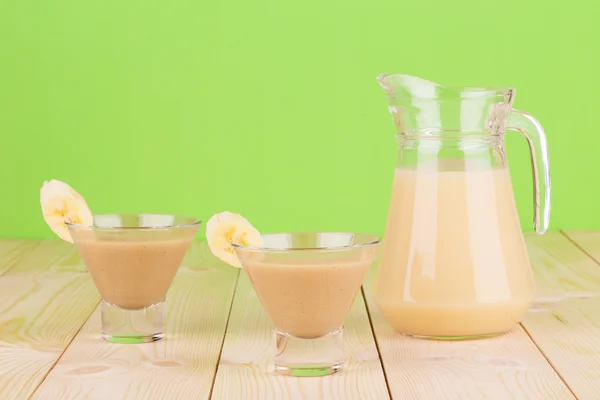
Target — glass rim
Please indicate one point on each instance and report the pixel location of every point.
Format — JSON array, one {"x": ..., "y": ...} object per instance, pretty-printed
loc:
[
  {"x": 374, "y": 239},
  {"x": 195, "y": 222},
  {"x": 465, "y": 92}
]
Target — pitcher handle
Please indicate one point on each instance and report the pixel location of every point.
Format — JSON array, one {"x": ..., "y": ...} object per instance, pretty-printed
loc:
[{"x": 538, "y": 146}]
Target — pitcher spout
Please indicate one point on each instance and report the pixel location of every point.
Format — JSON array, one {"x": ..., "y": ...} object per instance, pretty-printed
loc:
[{"x": 408, "y": 86}]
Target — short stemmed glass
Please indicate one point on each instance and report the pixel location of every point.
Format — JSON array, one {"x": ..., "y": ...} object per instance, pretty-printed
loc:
[{"x": 307, "y": 283}]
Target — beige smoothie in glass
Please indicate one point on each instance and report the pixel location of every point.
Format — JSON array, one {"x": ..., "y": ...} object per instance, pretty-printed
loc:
[
  {"x": 307, "y": 298},
  {"x": 133, "y": 259},
  {"x": 307, "y": 283},
  {"x": 132, "y": 274}
]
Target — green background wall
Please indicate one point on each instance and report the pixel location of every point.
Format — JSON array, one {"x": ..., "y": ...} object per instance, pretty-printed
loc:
[{"x": 270, "y": 108}]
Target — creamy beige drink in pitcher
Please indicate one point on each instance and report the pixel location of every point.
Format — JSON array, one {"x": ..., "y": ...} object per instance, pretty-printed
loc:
[
  {"x": 454, "y": 263},
  {"x": 466, "y": 270}
]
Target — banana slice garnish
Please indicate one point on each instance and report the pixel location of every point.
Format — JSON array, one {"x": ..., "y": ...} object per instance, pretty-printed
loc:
[
  {"x": 60, "y": 204},
  {"x": 226, "y": 228}
]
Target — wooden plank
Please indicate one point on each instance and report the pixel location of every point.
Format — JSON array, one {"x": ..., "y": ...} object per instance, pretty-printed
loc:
[
  {"x": 561, "y": 269},
  {"x": 12, "y": 250},
  {"x": 41, "y": 309},
  {"x": 246, "y": 370},
  {"x": 506, "y": 367},
  {"x": 569, "y": 335},
  {"x": 53, "y": 255},
  {"x": 565, "y": 321},
  {"x": 589, "y": 241},
  {"x": 181, "y": 366}
]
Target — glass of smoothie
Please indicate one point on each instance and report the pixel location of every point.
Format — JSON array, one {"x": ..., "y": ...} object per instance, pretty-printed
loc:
[
  {"x": 133, "y": 259},
  {"x": 307, "y": 283}
]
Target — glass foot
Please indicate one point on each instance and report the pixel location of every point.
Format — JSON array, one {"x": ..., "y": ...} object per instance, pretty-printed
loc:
[
  {"x": 120, "y": 325},
  {"x": 308, "y": 371},
  {"x": 132, "y": 338},
  {"x": 309, "y": 357}
]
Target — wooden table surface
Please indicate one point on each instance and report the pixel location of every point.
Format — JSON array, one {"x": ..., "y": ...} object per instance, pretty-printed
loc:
[{"x": 219, "y": 339}]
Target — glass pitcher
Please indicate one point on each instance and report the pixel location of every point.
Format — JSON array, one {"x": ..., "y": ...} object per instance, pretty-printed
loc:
[{"x": 454, "y": 263}]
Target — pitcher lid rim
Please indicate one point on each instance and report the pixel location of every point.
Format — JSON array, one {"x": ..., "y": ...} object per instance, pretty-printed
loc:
[{"x": 475, "y": 91}]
